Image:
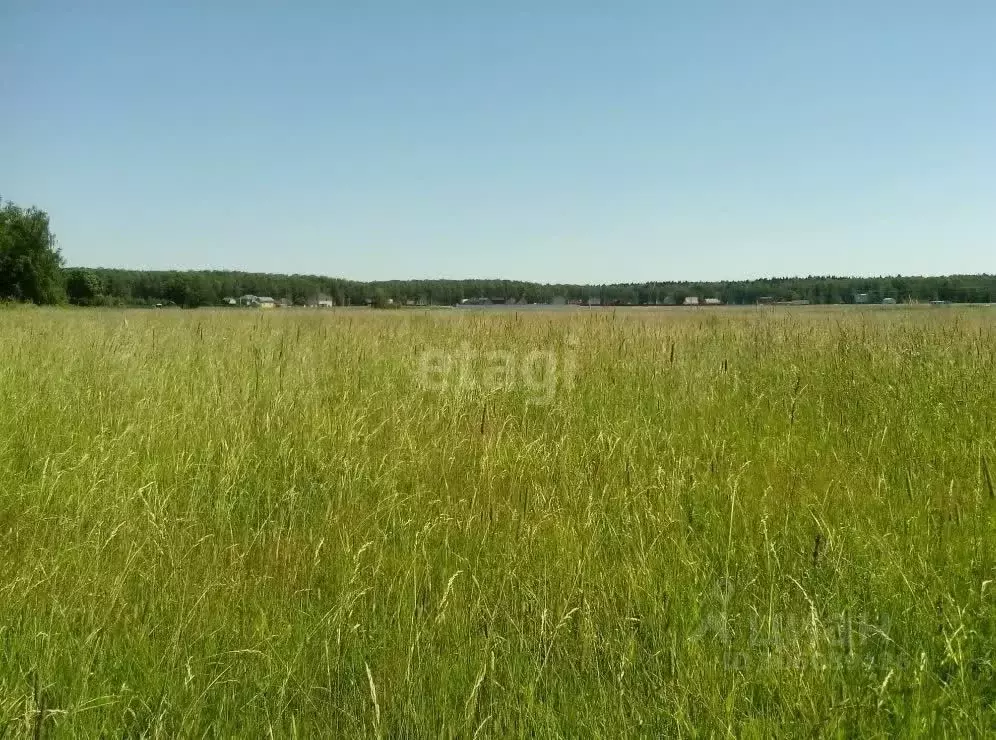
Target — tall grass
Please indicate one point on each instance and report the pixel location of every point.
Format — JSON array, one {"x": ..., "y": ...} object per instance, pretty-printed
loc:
[{"x": 727, "y": 522}]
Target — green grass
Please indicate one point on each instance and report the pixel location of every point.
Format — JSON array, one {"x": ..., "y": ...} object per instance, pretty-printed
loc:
[{"x": 730, "y": 522}]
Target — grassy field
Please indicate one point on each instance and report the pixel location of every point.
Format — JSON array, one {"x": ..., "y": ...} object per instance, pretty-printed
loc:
[{"x": 659, "y": 523}]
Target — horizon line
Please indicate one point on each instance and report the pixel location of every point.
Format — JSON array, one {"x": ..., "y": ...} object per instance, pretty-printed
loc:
[{"x": 770, "y": 278}]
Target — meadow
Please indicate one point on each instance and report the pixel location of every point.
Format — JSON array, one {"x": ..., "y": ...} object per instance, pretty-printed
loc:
[{"x": 684, "y": 522}]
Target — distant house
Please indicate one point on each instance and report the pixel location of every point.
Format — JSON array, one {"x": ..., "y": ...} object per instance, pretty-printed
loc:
[
  {"x": 766, "y": 300},
  {"x": 691, "y": 300},
  {"x": 255, "y": 301},
  {"x": 889, "y": 301},
  {"x": 862, "y": 298},
  {"x": 229, "y": 301},
  {"x": 713, "y": 302},
  {"x": 326, "y": 304}
]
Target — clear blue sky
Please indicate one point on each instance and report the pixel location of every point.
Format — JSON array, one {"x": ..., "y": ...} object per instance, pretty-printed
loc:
[{"x": 551, "y": 141}]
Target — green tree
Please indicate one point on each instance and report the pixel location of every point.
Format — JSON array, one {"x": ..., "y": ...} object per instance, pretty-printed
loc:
[
  {"x": 381, "y": 299},
  {"x": 177, "y": 290},
  {"x": 83, "y": 287},
  {"x": 30, "y": 262}
]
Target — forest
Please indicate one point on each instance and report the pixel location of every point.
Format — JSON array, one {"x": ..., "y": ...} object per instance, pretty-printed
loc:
[
  {"x": 207, "y": 288},
  {"x": 32, "y": 270}
]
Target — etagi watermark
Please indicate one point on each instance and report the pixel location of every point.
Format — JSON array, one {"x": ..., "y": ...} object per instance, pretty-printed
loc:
[{"x": 539, "y": 373}]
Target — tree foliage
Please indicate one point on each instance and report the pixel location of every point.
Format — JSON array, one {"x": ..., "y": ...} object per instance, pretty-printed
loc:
[
  {"x": 211, "y": 288},
  {"x": 84, "y": 287},
  {"x": 30, "y": 270},
  {"x": 30, "y": 262}
]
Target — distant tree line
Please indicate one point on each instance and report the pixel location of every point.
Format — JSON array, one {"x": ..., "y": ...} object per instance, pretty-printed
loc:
[
  {"x": 31, "y": 270},
  {"x": 209, "y": 288}
]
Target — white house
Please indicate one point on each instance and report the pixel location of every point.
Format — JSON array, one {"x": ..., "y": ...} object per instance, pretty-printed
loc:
[
  {"x": 255, "y": 300},
  {"x": 691, "y": 300}
]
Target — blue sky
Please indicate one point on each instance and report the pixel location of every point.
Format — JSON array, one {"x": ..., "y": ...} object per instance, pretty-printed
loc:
[{"x": 551, "y": 141}]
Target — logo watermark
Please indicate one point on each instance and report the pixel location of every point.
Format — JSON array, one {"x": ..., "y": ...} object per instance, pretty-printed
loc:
[
  {"x": 539, "y": 374},
  {"x": 796, "y": 640}
]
